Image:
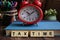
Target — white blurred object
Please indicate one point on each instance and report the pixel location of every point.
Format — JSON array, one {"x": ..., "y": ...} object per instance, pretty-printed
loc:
[{"x": 0, "y": 15}]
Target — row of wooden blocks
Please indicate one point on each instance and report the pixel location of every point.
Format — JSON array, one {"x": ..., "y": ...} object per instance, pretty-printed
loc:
[{"x": 30, "y": 33}]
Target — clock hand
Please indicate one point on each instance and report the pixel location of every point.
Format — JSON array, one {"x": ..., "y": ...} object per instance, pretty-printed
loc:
[
  {"x": 28, "y": 13},
  {"x": 32, "y": 12}
]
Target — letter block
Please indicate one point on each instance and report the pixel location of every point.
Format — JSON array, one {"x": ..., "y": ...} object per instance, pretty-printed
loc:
[{"x": 19, "y": 33}]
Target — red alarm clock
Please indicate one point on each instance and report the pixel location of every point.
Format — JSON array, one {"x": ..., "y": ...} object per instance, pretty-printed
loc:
[{"x": 30, "y": 13}]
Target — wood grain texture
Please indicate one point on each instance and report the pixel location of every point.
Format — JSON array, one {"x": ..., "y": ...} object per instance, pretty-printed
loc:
[{"x": 29, "y": 38}]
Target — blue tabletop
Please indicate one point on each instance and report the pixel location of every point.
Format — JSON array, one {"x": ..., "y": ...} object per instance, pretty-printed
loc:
[{"x": 43, "y": 25}]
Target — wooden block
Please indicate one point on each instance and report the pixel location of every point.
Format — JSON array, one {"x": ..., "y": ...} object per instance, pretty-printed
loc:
[
  {"x": 35, "y": 33},
  {"x": 48, "y": 33},
  {"x": 42, "y": 33},
  {"x": 19, "y": 33},
  {"x": 8, "y": 32},
  {"x": 51, "y": 33},
  {"x": 31, "y": 33}
]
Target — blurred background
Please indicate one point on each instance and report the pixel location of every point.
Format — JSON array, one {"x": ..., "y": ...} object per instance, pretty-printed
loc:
[{"x": 46, "y": 4}]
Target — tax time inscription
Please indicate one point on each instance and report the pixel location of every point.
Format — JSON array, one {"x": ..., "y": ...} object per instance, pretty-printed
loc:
[{"x": 31, "y": 33}]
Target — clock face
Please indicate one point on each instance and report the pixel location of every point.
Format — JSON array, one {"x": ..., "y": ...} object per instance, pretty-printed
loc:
[{"x": 29, "y": 14}]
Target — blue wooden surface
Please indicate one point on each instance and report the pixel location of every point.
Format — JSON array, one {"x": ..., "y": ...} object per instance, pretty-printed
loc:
[{"x": 43, "y": 25}]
